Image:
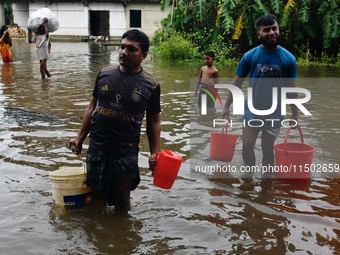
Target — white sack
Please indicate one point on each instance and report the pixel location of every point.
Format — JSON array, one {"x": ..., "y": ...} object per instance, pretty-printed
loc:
[{"x": 37, "y": 17}]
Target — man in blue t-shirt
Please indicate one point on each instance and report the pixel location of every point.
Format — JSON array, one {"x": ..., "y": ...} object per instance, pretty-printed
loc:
[
  {"x": 269, "y": 66},
  {"x": 120, "y": 98}
]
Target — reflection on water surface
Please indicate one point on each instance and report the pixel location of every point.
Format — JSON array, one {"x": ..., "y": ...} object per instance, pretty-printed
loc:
[{"x": 201, "y": 214}]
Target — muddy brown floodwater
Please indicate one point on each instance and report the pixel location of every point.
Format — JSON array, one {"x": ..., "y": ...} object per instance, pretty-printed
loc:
[{"x": 203, "y": 213}]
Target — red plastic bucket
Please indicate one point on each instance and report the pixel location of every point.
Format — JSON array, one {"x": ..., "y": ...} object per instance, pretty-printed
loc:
[
  {"x": 294, "y": 159},
  {"x": 168, "y": 165},
  {"x": 222, "y": 145}
]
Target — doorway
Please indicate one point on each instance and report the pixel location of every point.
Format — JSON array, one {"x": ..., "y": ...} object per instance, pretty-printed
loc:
[{"x": 100, "y": 23}]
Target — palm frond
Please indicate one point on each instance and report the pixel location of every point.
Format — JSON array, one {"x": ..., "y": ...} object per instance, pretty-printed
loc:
[
  {"x": 327, "y": 31},
  {"x": 249, "y": 27},
  {"x": 262, "y": 6},
  {"x": 165, "y": 4},
  {"x": 309, "y": 30},
  {"x": 324, "y": 6},
  {"x": 335, "y": 27},
  {"x": 276, "y": 6},
  {"x": 218, "y": 11},
  {"x": 201, "y": 9},
  {"x": 286, "y": 12},
  {"x": 239, "y": 25},
  {"x": 304, "y": 11},
  {"x": 227, "y": 15}
]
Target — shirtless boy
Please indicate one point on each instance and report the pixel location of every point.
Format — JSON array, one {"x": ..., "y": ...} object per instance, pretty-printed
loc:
[{"x": 208, "y": 76}]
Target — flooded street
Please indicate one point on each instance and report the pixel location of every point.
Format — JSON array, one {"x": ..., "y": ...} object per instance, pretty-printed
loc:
[{"x": 203, "y": 213}]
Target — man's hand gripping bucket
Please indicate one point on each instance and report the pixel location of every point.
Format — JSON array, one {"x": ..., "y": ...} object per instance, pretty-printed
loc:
[
  {"x": 69, "y": 187},
  {"x": 168, "y": 165},
  {"x": 294, "y": 159},
  {"x": 222, "y": 145}
]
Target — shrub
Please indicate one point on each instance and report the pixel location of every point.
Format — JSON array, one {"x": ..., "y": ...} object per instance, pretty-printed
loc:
[{"x": 176, "y": 47}]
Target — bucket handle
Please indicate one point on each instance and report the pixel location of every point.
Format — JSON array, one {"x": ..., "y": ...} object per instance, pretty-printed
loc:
[
  {"x": 286, "y": 138},
  {"x": 81, "y": 159},
  {"x": 225, "y": 128}
]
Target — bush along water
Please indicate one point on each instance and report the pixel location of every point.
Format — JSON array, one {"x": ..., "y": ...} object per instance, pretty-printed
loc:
[{"x": 175, "y": 46}]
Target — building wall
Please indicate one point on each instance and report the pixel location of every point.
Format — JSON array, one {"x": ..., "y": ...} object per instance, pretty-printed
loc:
[
  {"x": 151, "y": 16},
  {"x": 73, "y": 17},
  {"x": 117, "y": 16},
  {"x": 21, "y": 14}
]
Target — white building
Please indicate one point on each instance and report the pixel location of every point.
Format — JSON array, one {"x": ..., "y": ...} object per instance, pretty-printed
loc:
[{"x": 80, "y": 19}]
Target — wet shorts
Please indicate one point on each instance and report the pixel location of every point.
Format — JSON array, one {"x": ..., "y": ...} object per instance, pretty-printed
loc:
[
  {"x": 104, "y": 169},
  {"x": 272, "y": 131},
  {"x": 210, "y": 101}
]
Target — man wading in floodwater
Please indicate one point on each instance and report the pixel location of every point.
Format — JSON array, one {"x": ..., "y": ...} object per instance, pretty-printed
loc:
[
  {"x": 268, "y": 65},
  {"x": 113, "y": 119}
]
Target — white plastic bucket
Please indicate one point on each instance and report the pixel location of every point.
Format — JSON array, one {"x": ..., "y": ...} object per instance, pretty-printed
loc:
[{"x": 69, "y": 187}]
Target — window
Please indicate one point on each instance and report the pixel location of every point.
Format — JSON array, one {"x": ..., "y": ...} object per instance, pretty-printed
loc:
[{"x": 136, "y": 18}]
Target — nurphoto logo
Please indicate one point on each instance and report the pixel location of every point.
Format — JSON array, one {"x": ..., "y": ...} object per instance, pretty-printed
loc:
[{"x": 238, "y": 102}]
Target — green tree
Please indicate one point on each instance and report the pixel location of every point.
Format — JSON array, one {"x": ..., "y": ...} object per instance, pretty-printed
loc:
[
  {"x": 8, "y": 14},
  {"x": 309, "y": 25}
]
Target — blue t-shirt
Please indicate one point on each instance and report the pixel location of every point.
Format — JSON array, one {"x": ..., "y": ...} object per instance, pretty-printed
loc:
[{"x": 266, "y": 70}]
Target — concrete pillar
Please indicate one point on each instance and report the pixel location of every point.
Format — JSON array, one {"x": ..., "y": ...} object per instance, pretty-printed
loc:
[{"x": 2, "y": 14}]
